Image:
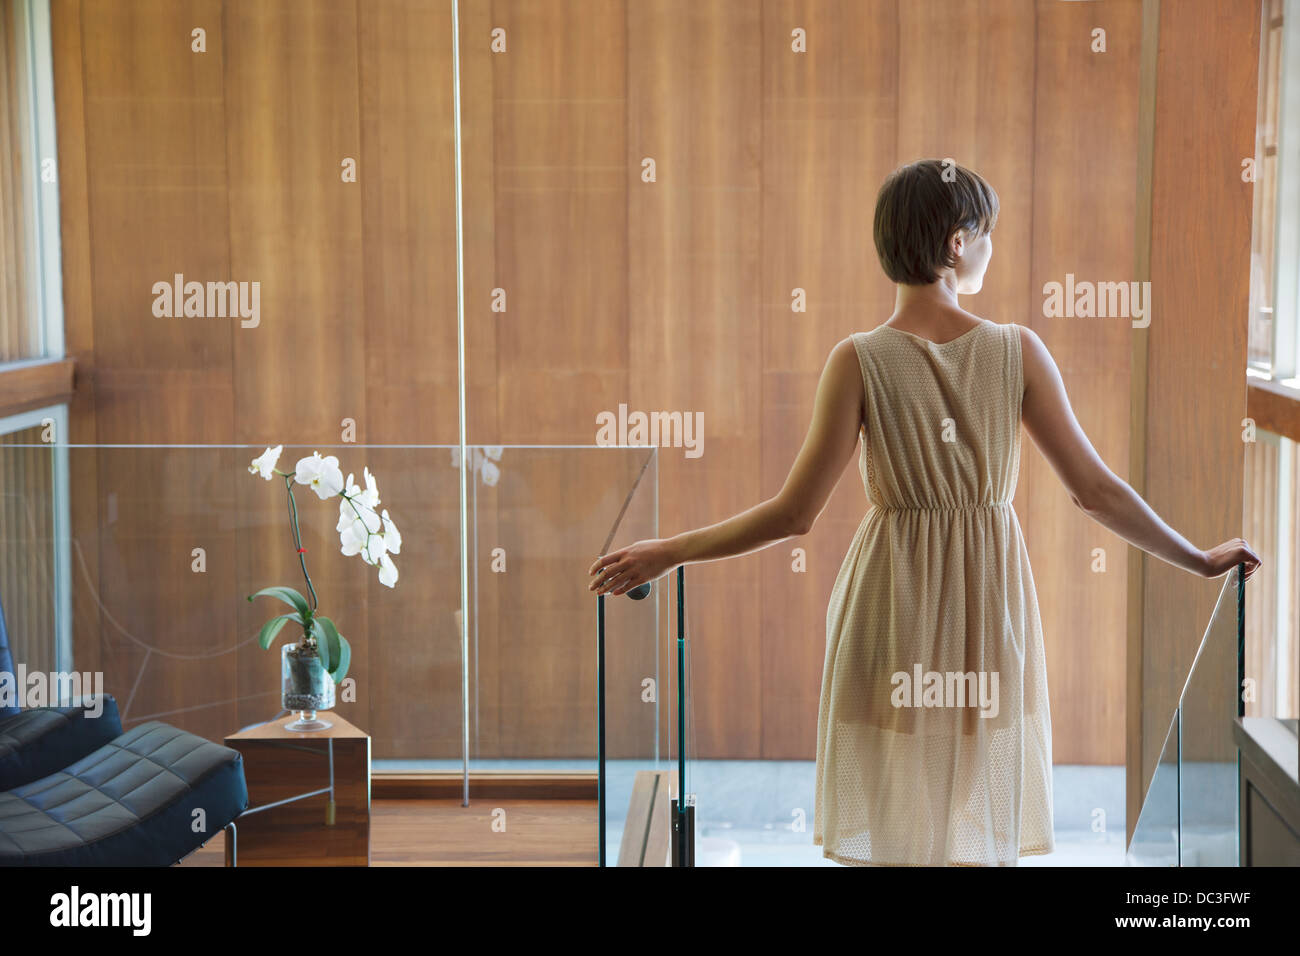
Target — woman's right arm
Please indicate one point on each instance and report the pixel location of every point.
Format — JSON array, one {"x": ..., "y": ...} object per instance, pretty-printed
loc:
[{"x": 1098, "y": 491}]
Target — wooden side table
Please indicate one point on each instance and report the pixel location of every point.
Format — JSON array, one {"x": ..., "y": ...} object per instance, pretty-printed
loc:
[{"x": 308, "y": 795}]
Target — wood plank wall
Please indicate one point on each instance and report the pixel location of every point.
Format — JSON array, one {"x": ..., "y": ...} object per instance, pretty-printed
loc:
[
  {"x": 1083, "y": 211},
  {"x": 671, "y": 295},
  {"x": 1192, "y": 389},
  {"x": 27, "y": 569}
]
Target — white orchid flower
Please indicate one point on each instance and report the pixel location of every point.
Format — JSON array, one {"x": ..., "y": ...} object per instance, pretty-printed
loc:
[
  {"x": 369, "y": 546},
  {"x": 358, "y": 529},
  {"x": 350, "y": 488},
  {"x": 374, "y": 550},
  {"x": 387, "y": 571},
  {"x": 364, "y": 516},
  {"x": 370, "y": 497},
  {"x": 491, "y": 474},
  {"x": 264, "y": 464},
  {"x": 493, "y": 451},
  {"x": 372, "y": 488},
  {"x": 322, "y": 474},
  {"x": 352, "y": 534},
  {"x": 392, "y": 537}
]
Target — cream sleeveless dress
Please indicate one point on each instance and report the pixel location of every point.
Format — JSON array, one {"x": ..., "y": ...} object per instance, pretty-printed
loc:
[{"x": 953, "y": 768}]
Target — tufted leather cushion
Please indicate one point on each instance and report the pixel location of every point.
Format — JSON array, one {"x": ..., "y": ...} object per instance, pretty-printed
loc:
[
  {"x": 40, "y": 740},
  {"x": 130, "y": 803}
]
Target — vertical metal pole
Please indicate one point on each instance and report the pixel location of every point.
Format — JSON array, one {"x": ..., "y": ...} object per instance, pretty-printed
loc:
[
  {"x": 1240, "y": 692},
  {"x": 681, "y": 689},
  {"x": 684, "y": 816},
  {"x": 1241, "y": 638},
  {"x": 600, "y": 722},
  {"x": 475, "y": 592},
  {"x": 460, "y": 378},
  {"x": 331, "y": 806},
  {"x": 1178, "y": 785}
]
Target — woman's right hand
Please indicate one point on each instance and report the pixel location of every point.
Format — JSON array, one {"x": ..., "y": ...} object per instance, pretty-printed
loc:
[{"x": 1224, "y": 557}]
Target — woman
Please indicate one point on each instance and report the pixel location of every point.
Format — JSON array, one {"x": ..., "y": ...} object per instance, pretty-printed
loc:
[{"x": 934, "y": 740}]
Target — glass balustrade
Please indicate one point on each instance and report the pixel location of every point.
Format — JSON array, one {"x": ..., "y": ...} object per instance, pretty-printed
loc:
[
  {"x": 1189, "y": 815},
  {"x": 154, "y": 550}
]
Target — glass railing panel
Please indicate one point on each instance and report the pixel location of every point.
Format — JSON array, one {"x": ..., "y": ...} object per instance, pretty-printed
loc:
[
  {"x": 166, "y": 543},
  {"x": 635, "y": 687},
  {"x": 1190, "y": 812},
  {"x": 1155, "y": 838},
  {"x": 634, "y": 680},
  {"x": 1208, "y": 707},
  {"x": 538, "y": 518}
]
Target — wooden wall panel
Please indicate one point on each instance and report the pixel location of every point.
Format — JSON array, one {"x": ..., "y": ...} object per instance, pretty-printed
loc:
[
  {"x": 407, "y": 183},
  {"x": 666, "y": 295},
  {"x": 291, "y": 119},
  {"x": 155, "y": 148},
  {"x": 156, "y": 155},
  {"x": 1084, "y": 205},
  {"x": 561, "y": 256},
  {"x": 829, "y": 138},
  {"x": 559, "y": 101},
  {"x": 695, "y": 345},
  {"x": 1204, "y": 125}
]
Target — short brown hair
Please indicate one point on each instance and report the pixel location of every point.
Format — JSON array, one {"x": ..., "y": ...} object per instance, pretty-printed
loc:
[{"x": 918, "y": 209}]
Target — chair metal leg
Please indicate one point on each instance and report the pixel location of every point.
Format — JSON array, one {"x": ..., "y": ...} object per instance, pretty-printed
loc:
[{"x": 232, "y": 841}]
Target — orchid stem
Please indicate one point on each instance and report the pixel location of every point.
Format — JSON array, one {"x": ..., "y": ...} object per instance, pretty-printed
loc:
[{"x": 297, "y": 541}]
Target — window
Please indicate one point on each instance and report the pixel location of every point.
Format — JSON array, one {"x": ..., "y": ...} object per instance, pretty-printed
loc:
[
  {"x": 31, "y": 305},
  {"x": 1272, "y": 466}
]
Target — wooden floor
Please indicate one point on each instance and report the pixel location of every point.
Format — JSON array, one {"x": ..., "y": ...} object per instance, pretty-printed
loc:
[{"x": 415, "y": 832}]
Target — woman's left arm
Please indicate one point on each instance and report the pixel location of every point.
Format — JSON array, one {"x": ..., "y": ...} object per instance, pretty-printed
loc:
[{"x": 827, "y": 448}]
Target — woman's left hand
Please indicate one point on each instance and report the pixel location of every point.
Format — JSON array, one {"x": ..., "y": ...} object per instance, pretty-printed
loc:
[{"x": 620, "y": 571}]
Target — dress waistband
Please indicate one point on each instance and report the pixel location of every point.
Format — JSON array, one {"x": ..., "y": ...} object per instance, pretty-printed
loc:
[{"x": 990, "y": 506}]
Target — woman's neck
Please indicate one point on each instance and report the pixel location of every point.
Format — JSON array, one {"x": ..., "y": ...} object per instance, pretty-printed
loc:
[{"x": 940, "y": 294}]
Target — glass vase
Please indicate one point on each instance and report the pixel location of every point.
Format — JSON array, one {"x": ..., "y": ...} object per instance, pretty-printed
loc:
[{"x": 306, "y": 687}]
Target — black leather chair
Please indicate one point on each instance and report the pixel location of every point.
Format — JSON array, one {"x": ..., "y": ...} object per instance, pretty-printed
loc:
[{"x": 77, "y": 791}]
